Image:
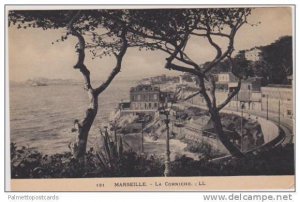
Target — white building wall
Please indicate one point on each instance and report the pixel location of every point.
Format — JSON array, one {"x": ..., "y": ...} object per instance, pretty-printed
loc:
[
  {"x": 253, "y": 55},
  {"x": 278, "y": 100}
]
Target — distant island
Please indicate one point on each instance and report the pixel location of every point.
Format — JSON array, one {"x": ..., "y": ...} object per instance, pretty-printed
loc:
[{"x": 45, "y": 82}]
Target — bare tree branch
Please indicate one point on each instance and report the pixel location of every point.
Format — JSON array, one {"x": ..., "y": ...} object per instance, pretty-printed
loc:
[
  {"x": 81, "y": 52},
  {"x": 213, "y": 90},
  {"x": 215, "y": 45},
  {"x": 181, "y": 68},
  {"x": 119, "y": 56},
  {"x": 231, "y": 95},
  {"x": 170, "y": 65},
  {"x": 220, "y": 56},
  {"x": 211, "y": 33},
  {"x": 203, "y": 92},
  {"x": 235, "y": 91},
  {"x": 183, "y": 56},
  {"x": 191, "y": 96},
  {"x": 230, "y": 47}
]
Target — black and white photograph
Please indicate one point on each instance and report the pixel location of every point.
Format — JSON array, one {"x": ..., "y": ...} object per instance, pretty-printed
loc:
[{"x": 143, "y": 93}]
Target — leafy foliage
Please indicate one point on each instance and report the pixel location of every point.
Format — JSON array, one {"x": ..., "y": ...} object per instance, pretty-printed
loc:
[
  {"x": 279, "y": 161},
  {"x": 101, "y": 32},
  {"x": 203, "y": 148},
  {"x": 274, "y": 65},
  {"x": 277, "y": 61},
  {"x": 27, "y": 163},
  {"x": 171, "y": 31}
]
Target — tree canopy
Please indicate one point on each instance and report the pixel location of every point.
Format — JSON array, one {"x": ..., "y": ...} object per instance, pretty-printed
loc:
[
  {"x": 277, "y": 60},
  {"x": 169, "y": 30}
]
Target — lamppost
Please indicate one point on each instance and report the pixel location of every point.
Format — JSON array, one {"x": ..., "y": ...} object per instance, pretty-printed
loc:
[
  {"x": 142, "y": 121},
  {"x": 105, "y": 128},
  {"x": 279, "y": 112},
  {"x": 143, "y": 125},
  {"x": 237, "y": 102},
  {"x": 242, "y": 136},
  {"x": 249, "y": 99},
  {"x": 164, "y": 112},
  {"x": 267, "y": 107}
]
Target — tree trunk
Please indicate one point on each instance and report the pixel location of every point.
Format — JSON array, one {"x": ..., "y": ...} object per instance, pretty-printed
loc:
[
  {"x": 215, "y": 117},
  {"x": 85, "y": 125},
  {"x": 234, "y": 151}
]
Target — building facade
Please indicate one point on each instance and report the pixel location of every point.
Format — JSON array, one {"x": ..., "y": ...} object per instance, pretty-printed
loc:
[
  {"x": 145, "y": 97},
  {"x": 253, "y": 54},
  {"x": 277, "y": 99},
  {"x": 225, "y": 78},
  {"x": 249, "y": 94}
]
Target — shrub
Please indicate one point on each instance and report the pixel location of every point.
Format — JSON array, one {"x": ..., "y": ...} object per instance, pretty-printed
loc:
[{"x": 28, "y": 163}]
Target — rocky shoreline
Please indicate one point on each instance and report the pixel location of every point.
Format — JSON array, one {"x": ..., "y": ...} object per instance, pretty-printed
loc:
[{"x": 183, "y": 138}]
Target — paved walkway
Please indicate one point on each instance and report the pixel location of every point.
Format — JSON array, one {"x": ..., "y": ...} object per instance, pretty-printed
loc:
[{"x": 286, "y": 124}]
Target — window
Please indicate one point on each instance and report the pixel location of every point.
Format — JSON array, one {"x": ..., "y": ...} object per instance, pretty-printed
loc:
[
  {"x": 289, "y": 112},
  {"x": 138, "y": 97},
  {"x": 155, "y": 96}
]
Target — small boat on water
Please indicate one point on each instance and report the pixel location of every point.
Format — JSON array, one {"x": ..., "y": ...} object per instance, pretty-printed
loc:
[{"x": 38, "y": 84}]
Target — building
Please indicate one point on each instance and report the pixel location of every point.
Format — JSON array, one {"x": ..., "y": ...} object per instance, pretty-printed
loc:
[
  {"x": 124, "y": 105},
  {"x": 145, "y": 81},
  {"x": 225, "y": 78},
  {"x": 253, "y": 54},
  {"x": 223, "y": 82},
  {"x": 290, "y": 79},
  {"x": 145, "y": 97},
  {"x": 187, "y": 80},
  {"x": 249, "y": 94},
  {"x": 158, "y": 79},
  {"x": 256, "y": 101},
  {"x": 167, "y": 96},
  {"x": 277, "y": 99}
]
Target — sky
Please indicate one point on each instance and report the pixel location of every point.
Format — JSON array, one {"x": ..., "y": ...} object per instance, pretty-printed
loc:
[{"x": 31, "y": 54}]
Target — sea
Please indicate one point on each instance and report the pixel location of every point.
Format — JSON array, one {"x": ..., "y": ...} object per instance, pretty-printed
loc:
[{"x": 41, "y": 117}]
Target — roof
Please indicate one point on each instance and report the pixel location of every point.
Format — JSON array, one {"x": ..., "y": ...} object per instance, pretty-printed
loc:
[
  {"x": 232, "y": 77},
  {"x": 252, "y": 79},
  {"x": 278, "y": 86},
  {"x": 124, "y": 101},
  {"x": 254, "y": 48},
  {"x": 145, "y": 87}
]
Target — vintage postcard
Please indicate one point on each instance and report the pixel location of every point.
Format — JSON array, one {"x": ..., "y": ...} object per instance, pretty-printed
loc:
[{"x": 157, "y": 98}]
